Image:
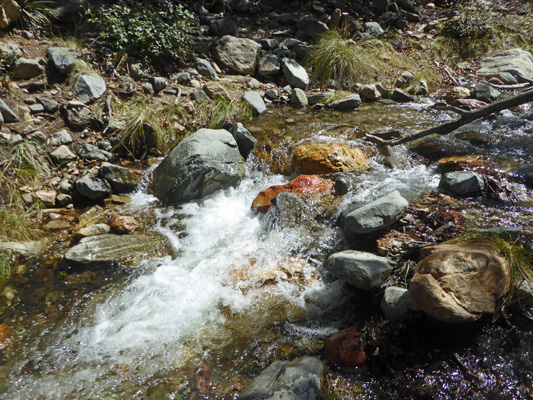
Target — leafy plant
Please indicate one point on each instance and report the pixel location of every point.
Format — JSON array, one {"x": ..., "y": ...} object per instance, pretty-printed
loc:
[
  {"x": 151, "y": 31},
  {"x": 7, "y": 62},
  {"x": 36, "y": 13}
]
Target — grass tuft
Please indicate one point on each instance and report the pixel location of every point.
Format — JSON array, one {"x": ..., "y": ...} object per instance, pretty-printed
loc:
[
  {"x": 216, "y": 114},
  {"x": 15, "y": 226},
  {"x": 36, "y": 13}
]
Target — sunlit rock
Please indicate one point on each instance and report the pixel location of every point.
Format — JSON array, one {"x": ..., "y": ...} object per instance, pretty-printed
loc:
[
  {"x": 206, "y": 161},
  {"x": 477, "y": 163},
  {"x": 327, "y": 158},
  {"x": 459, "y": 282},
  {"x": 238, "y": 54},
  {"x": 303, "y": 185}
]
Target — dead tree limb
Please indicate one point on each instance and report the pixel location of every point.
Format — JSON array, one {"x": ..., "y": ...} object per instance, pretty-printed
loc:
[{"x": 466, "y": 117}]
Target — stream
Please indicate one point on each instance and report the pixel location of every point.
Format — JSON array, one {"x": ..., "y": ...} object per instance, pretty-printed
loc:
[{"x": 240, "y": 294}]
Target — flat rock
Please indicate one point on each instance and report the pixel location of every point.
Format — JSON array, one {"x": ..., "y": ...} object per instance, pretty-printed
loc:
[
  {"x": 238, "y": 54},
  {"x": 59, "y": 138},
  {"x": 206, "y": 161},
  {"x": 89, "y": 88},
  {"x": 326, "y": 158},
  {"x": 459, "y": 282},
  {"x": 516, "y": 62},
  {"x": 107, "y": 250},
  {"x": 216, "y": 91},
  {"x": 294, "y": 73},
  {"x": 62, "y": 154},
  {"x": 363, "y": 270},
  {"x": 26, "y": 68},
  {"x": 50, "y": 106},
  {"x": 376, "y": 215},
  {"x": 92, "y": 230},
  {"x": 348, "y": 103},
  {"x": 24, "y": 249},
  {"x": 91, "y": 152},
  {"x": 300, "y": 379}
]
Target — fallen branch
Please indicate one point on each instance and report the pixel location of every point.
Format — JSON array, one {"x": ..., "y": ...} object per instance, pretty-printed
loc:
[{"x": 448, "y": 127}]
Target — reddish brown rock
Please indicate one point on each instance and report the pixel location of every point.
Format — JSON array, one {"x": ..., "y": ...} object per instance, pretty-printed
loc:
[
  {"x": 302, "y": 186},
  {"x": 470, "y": 103},
  {"x": 459, "y": 282},
  {"x": 327, "y": 158},
  {"x": 123, "y": 223},
  {"x": 344, "y": 349},
  {"x": 476, "y": 163}
]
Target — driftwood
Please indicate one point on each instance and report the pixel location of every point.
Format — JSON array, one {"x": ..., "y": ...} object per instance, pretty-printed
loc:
[{"x": 448, "y": 127}]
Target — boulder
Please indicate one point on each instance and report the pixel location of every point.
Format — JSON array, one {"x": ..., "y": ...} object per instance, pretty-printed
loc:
[
  {"x": 298, "y": 98},
  {"x": 206, "y": 161},
  {"x": 50, "y": 106},
  {"x": 10, "y": 12},
  {"x": 486, "y": 93},
  {"x": 373, "y": 29},
  {"x": 26, "y": 68},
  {"x": 107, "y": 250},
  {"x": 344, "y": 348},
  {"x": 516, "y": 62},
  {"x": 268, "y": 65},
  {"x": 123, "y": 223},
  {"x": 348, "y": 103},
  {"x": 204, "y": 68},
  {"x": 7, "y": 113},
  {"x": 62, "y": 154},
  {"x": 300, "y": 379},
  {"x": 370, "y": 92},
  {"x": 89, "y": 88},
  {"x": 327, "y": 158},
  {"x": 24, "y": 249},
  {"x": 224, "y": 26},
  {"x": 184, "y": 78},
  {"x": 246, "y": 142},
  {"x": 256, "y": 102},
  {"x": 92, "y": 188},
  {"x": 380, "y": 6},
  {"x": 46, "y": 197},
  {"x": 216, "y": 91},
  {"x": 62, "y": 58},
  {"x": 238, "y": 54},
  {"x": 462, "y": 183},
  {"x": 10, "y": 47},
  {"x": 459, "y": 282},
  {"x": 396, "y": 302},
  {"x": 361, "y": 269},
  {"x": 304, "y": 185},
  {"x": 405, "y": 80},
  {"x": 400, "y": 96},
  {"x": 294, "y": 73},
  {"x": 159, "y": 83},
  {"x": 311, "y": 28},
  {"x": 376, "y": 215},
  {"x": 91, "y": 152},
  {"x": 122, "y": 180}
]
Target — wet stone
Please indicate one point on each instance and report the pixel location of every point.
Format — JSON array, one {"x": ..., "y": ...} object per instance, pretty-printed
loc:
[
  {"x": 462, "y": 183},
  {"x": 92, "y": 188}
]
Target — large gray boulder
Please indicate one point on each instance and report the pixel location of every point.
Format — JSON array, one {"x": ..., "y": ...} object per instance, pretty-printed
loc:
[
  {"x": 203, "y": 163},
  {"x": 376, "y": 215},
  {"x": 238, "y": 54},
  {"x": 294, "y": 73},
  {"x": 62, "y": 58},
  {"x": 89, "y": 88},
  {"x": 268, "y": 65},
  {"x": 256, "y": 102},
  {"x": 300, "y": 379},
  {"x": 122, "y": 180},
  {"x": 224, "y": 26},
  {"x": 7, "y": 113},
  {"x": 363, "y": 270},
  {"x": 246, "y": 142},
  {"x": 348, "y": 103},
  {"x": 204, "y": 68},
  {"x": 517, "y": 62},
  {"x": 106, "y": 250}
]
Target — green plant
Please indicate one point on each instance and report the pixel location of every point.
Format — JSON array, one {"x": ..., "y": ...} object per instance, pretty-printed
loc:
[
  {"x": 15, "y": 226},
  {"x": 217, "y": 113},
  {"x": 152, "y": 31},
  {"x": 7, "y": 62},
  {"x": 6, "y": 265},
  {"x": 36, "y": 13}
]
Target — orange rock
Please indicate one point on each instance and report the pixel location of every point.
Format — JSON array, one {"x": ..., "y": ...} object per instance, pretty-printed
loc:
[
  {"x": 123, "y": 223},
  {"x": 327, "y": 158},
  {"x": 5, "y": 336},
  {"x": 344, "y": 349},
  {"x": 475, "y": 163},
  {"x": 302, "y": 185}
]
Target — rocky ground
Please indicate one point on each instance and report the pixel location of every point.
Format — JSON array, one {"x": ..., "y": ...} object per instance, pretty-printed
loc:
[{"x": 67, "y": 106}]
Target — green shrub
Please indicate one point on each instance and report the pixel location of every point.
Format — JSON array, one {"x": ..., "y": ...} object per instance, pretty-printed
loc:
[
  {"x": 7, "y": 62},
  {"x": 151, "y": 31}
]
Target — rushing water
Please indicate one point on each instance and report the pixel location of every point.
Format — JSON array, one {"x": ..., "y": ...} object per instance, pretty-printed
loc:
[{"x": 220, "y": 302}]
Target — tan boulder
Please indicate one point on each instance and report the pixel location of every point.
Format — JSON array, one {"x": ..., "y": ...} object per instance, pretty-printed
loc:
[
  {"x": 459, "y": 282},
  {"x": 327, "y": 158},
  {"x": 123, "y": 223},
  {"x": 9, "y": 13},
  {"x": 304, "y": 185}
]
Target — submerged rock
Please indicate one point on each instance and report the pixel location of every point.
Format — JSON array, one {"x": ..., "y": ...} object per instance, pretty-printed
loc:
[
  {"x": 327, "y": 158},
  {"x": 303, "y": 185},
  {"x": 376, "y": 215},
  {"x": 203, "y": 163},
  {"x": 105, "y": 250},
  {"x": 300, "y": 379},
  {"x": 459, "y": 282},
  {"x": 361, "y": 269}
]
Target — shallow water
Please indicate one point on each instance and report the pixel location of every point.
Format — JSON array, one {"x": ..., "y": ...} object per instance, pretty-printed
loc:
[{"x": 238, "y": 296}]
